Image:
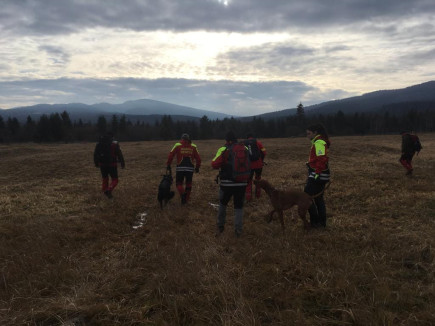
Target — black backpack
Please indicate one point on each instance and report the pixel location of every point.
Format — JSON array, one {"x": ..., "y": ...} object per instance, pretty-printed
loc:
[
  {"x": 254, "y": 151},
  {"x": 416, "y": 142},
  {"x": 104, "y": 151}
]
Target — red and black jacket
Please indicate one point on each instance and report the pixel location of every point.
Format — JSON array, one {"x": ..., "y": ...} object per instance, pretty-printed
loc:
[
  {"x": 186, "y": 154},
  {"x": 318, "y": 161},
  {"x": 115, "y": 153}
]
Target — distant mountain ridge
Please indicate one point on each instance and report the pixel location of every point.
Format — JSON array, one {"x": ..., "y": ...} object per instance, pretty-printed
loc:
[
  {"x": 142, "y": 110},
  {"x": 419, "y": 97},
  {"x": 380, "y": 101}
]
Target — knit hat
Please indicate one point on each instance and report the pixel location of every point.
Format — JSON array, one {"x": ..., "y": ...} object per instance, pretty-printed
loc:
[{"x": 185, "y": 136}]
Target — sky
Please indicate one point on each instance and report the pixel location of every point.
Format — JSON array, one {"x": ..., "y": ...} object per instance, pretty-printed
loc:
[{"x": 239, "y": 57}]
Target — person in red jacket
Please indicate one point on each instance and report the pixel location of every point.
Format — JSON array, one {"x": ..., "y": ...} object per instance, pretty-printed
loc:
[
  {"x": 318, "y": 173},
  {"x": 257, "y": 153},
  {"x": 186, "y": 154},
  {"x": 106, "y": 155}
]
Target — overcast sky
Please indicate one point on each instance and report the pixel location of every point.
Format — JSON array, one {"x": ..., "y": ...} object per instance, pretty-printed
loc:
[{"x": 240, "y": 57}]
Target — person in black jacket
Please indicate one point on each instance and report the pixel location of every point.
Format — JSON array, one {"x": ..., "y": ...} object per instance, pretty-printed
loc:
[
  {"x": 410, "y": 145},
  {"x": 107, "y": 153}
]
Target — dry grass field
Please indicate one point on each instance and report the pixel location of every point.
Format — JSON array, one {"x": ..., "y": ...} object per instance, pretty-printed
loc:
[{"x": 70, "y": 256}]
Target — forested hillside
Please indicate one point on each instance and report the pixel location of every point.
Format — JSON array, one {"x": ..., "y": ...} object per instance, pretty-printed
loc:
[{"x": 58, "y": 127}]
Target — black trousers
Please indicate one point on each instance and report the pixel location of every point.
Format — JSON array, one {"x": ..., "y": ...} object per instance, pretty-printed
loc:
[
  {"x": 109, "y": 170},
  {"x": 238, "y": 194},
  {"x": 180, "y": 176},
  {"x": 318, "y": 209}
]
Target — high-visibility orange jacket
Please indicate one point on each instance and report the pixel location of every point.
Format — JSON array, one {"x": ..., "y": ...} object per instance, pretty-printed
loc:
[{"x": 186, "y": 154}]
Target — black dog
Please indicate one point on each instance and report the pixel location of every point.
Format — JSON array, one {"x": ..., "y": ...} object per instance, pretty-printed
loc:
[{"x": 165, "y": 194}]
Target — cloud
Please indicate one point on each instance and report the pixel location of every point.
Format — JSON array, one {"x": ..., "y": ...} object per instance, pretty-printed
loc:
[
  {"x": 227, "y": 55},
  {"x": 62, "y": 17},
  {"x": 56, "y": 55}
]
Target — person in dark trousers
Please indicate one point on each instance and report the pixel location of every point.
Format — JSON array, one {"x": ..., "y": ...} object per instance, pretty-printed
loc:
[
  {"x": 257, "y": 153},
  {"x": 228, "y": 187},
  {"x": 410, "y": 145},
  {"x": 107, "y": 153},
  {"x": 186, "y": 154},
  {"x": 318, "y": 173}
]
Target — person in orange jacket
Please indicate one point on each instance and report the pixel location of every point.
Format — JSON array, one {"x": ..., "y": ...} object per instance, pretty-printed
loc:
[
  {"x": 186, "y": 154},
  {"x": 257, "y": 153}
]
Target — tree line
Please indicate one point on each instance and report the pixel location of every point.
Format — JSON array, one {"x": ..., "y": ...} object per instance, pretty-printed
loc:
[{"x": 58, "y": 127}]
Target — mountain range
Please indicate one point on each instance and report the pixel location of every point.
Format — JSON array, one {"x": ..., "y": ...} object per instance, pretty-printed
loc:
[
  {"x": 419, "y": 97},
  {"x": 140, "y": 110}
]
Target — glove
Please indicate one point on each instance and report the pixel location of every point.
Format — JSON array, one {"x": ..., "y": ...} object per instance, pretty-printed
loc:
[
  {"x": 168, "y": 168},
  {"x": 196, "y": 170}
]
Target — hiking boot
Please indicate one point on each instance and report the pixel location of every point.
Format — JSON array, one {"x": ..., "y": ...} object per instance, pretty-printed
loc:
[
  {"x": 108, "y": 193},
  {"x": 409, "y": 172},
  {"x": 238, "y": 233},
  {"x": 219, "y": 231},
  {"x": 318, "y": 225},
  {"x": 183, "y": 199}
]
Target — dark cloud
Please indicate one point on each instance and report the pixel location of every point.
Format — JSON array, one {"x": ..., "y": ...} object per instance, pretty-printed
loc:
[
  {"x": 55, "y": 17},
  {"x": 56, "y": 54},
  {"x": 423, "y": 57},
  {"x": 336, "y": 48},
  {"x": 221, "y": 96},
  {"x": 275, "y": 59}
]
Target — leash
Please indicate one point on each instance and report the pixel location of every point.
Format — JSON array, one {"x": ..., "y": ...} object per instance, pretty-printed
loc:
[{"x": 320, "y": 193}]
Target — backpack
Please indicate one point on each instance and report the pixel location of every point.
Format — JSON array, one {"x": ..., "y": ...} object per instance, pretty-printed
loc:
[
  {"x": 238, "y": 159},
  {"x": 104, "y": 151},
  {"x": 416, "y": 143},
  {"x": 254, "y": 151}
]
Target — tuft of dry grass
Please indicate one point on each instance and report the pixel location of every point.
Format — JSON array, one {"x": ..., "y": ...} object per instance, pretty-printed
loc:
[{"x": 68, "y": 255}]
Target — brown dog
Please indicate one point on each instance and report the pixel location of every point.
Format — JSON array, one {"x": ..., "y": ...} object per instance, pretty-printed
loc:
[{"x": 285, "y": 199}]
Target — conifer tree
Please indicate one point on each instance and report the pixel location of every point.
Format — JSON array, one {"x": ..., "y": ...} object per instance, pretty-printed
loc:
[{"x": 101, "y": 125}]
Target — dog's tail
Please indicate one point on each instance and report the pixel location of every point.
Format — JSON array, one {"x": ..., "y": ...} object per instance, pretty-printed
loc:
[{"x": 324, "y": 189}]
